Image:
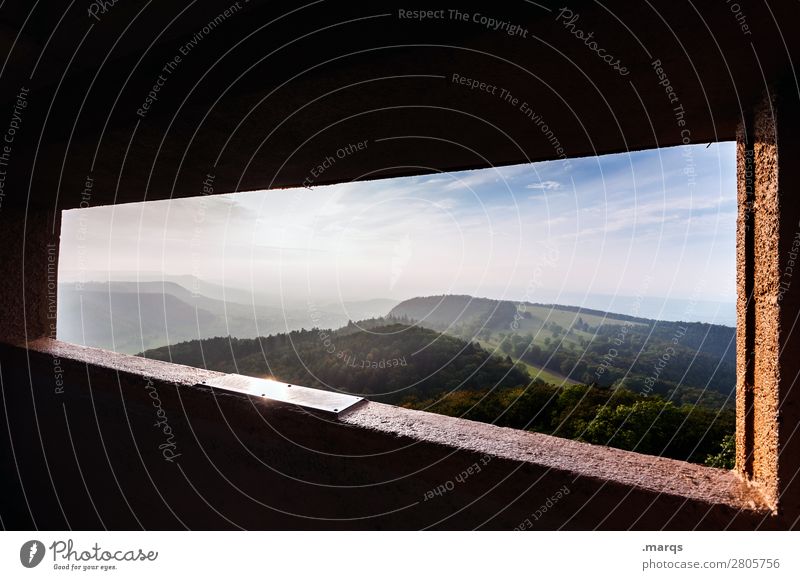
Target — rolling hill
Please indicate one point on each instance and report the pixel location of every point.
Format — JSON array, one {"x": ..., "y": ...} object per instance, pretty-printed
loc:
[
  {"x": 686, "y": 361},
  {"x": 387, "y": 361}
]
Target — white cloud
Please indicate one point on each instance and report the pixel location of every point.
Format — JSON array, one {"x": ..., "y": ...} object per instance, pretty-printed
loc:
[
  {"x": 548, "y": 185},
  {"x": 446, "y": 203}
]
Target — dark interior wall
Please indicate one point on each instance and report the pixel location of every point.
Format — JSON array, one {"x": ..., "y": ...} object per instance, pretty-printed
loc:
[{"x": 274, "y": 88}]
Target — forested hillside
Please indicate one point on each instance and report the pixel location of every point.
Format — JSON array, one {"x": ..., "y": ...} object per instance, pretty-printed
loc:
[
  {"x": 420, "y": 368},
  {"x": 689, "y": 362},
  {"x": 388, "y": 362}
]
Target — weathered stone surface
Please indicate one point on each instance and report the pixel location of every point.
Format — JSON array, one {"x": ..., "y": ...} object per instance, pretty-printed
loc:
[{"x": 769, "y": 300}]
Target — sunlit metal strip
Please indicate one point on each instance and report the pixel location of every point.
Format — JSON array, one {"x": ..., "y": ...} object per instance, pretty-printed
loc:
[{"x": 304, "y": 397}]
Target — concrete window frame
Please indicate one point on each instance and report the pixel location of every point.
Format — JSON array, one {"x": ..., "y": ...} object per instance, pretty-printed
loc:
[{"x": 768, "y": 302}]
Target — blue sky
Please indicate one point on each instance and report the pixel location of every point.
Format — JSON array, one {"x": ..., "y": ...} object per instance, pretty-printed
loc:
[{"x": 659, "y": 223}]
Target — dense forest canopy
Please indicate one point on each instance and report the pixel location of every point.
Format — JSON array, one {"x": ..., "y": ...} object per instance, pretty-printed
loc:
[{"x": 655, "y": 387}]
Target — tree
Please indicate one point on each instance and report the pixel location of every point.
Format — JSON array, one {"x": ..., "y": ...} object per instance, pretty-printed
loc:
[
  {"x": 645, "y": 426},
  {"x": 535, "y": 353},
  {"x": 726, "y": 458}
]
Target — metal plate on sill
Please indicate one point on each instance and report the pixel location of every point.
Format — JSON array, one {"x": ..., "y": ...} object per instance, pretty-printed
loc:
[{"x": 316, "y": 399}]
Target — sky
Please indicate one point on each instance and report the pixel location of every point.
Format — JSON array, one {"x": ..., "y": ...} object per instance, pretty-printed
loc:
[{"x": 656, "y": 223}]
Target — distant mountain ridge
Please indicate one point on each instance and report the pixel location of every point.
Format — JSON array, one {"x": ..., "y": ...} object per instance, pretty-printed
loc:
[
  {"x": 439, "y": 308},
  {"x": 130, "y": 316}
]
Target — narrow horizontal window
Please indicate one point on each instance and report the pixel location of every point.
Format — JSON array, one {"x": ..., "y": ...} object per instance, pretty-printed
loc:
[{"x": 589, "y": 298}]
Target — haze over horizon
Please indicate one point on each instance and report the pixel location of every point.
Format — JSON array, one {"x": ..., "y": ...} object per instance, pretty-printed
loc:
[{"x": 651, "y": 230}]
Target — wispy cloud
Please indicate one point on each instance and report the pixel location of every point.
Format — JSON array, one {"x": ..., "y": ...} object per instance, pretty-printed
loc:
[{"x": 548, "y": 185}]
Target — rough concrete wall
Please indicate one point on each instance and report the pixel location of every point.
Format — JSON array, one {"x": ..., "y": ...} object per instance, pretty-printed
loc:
[
  {"x": 768, "y": 339},
  {"x": 29, "y": 255},
  {"x": 745, "y": 329},
  {"x": 766, "y": 274}
]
